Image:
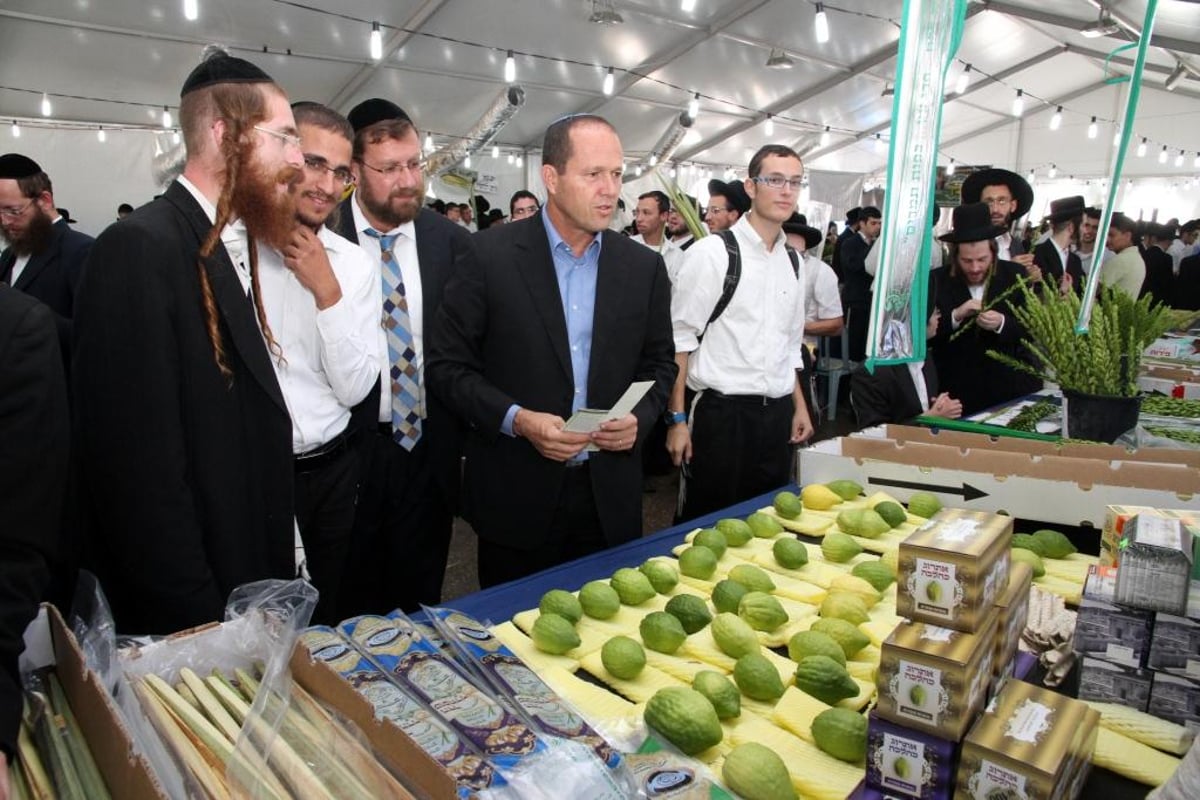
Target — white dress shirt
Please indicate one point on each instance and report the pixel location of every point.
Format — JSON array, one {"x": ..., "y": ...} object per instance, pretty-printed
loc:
[
  {"x": 1004, "y": 242},
  {"x": 404, "y": 250},
  {"x": 672, "y": 255},
  {"x": 754, "y": 346},
  {"x": 331, "y": 357},
  {"x": 233, "y": 235},
  {"x": 916, "y": 371},
  {"x": 821, "y": 297}
]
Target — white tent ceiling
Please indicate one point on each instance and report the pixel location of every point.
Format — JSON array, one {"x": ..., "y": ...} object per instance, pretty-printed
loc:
[{"x": 118, "y": 62}]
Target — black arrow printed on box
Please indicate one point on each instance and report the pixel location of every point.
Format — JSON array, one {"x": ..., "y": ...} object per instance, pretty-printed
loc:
[{"x": 967, "y": 491}]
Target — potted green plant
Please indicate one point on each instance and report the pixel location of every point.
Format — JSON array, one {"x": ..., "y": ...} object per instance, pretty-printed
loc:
[{"x": 1098, "y": 370}]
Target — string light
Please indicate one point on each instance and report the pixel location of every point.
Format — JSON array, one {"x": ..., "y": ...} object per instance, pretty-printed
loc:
[
  {"x": 376, "y": 42},
  {"x": 46, "y": 107},
  {"x": 1162, "y": 156},
  {"x": 1018, "y": 107},
  {"x": 609, "y": 82},
  {"x": 166, "y": 118},
  {"x": 1030, "y": 176},
  {"x": 693, "y": 109},
  {"x": 1052, "y": 173},
  {"x": 510, "y": 158},
  {"x": 101, "y": 135},
  {"x": 520, "y": 160},
  {"x": 495, "y": 151},
  {"x": 964, "y": 79},
  {"x": 467, "y": 161},
  {"x": 1093, "y": 129},
  {"x": 950, "y": 168},
  {"x": 687, "y": 5},
  {"x": 191, "y": 10},
  {"x": 1179, "y": 159},
  {"x": 821, "y": 21},
  {"x": 638, "y": 170},
  {"x": 16, "y": 130},
  {"x": 1056, "y": 120},
  {"x": 878, "y": 143},
  {"x": 429, "y": 143},
  {"x": 175, "y": 136},
  {"x": 1141, "y": 151},
  {"x": 825, "y": 136},
  {"x": 510, "y": 68},
  {"x": 769, "y": 127},
  {"x": 1195, "y": 162}
]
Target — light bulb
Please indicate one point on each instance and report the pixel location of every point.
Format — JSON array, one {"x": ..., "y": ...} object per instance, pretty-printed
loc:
[
  {"x": 520, "y": 161},
  {"x": 16, "y": 130},
  {"x": 1093, "y": 129},
  {"x": 637, "y": 170},
  {"x": 467, "y": 161},
  {"x": 1179, "y": 159},
  {"x": 1030, "y": 176},
  {"x": 609, "y": 81},
  {"x": 1162, "y": 156},
  {"x": 429, "y": 143},
  {"x": 191, "y": 10},
  {"x": 511, "y": 158},
  {"x": 101, "y": 135},
  {"x": 510, "y": 68},
  {"x": 653, "y": 159},
  {"x": 1052, "y": 172},
  {"x": 825, "y": 136},
  {"x": 376, "y": 41},
  {"x": 674, "y": 172},
  {"x": 495, "y": 151},
  {"x": 1141, "y": 151},
  {"x": 879, "y": 147},
  {"x": 822, "y": 24},
  {"x": 1117, "y": 139},
  {"x": 693, "y": 109},
  {"x": 46, "y": 107},
  {"x": 1195, "y": 162},
  {"x": 1019, "y": 103},
  {"x": 964, "y": 80},
  {"x": 1056, "y": 120},
  {"x": 687, "y": 5},
  {"x": 175, "y": 136},
  {"x": 950, "y": 168},
  {"x": 769, "y": 127},
  {"x": 166, "y": 117}
]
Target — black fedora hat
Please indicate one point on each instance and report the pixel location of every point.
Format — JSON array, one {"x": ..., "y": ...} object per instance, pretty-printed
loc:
[
  {"x": 1066, "y": 208},
  {"x": 798, "y": 224},
  {"x": 1022, "y": 192},
  {"x": 972, "y": 223},
  {"x": 734, "y": 193}
]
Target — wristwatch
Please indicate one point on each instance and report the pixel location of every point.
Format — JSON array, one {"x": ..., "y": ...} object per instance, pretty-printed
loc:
[{"x": 674, "y": 417}]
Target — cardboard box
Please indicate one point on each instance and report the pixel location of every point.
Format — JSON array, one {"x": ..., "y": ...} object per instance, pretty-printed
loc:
[
  {"x": 1156, "y": 564},
  {"x": 952, "y": 568},
  {"x": 934, "y": 679},
  {"x": 1116, "y": 518},
  {"x": 1084, "y": 750},
  {"x": 1103, "y": 628},
  {"x": 1026, "y": 744},
  {"x": 127, "y": 774},
  {"x": 1070, "y": 484},
  {"x": 1177, "y": 699},
  {"x": 1173, "y": 347},
  {"x": 1170, "y": 379},
  {"x": 1108, "y": 682},
  {"x": 908, "y": 763},
  {"x": 1012, "y": 611},
  {"x": 1175, "y": 641}
]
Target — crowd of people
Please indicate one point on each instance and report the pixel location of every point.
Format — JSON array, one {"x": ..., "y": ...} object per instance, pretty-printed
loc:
[{"x": 290, "y": 346}]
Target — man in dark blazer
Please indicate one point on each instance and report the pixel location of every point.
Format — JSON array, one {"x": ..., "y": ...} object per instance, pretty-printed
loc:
[
  {"x": 184, "y": 439},
  {"x": 892, "y": 394},
  {"x": 556, "y": 313},
  {"x": 35, "y": 430},
  {"x": 409, "y": 492},
  {"x": 1160, "y": 270},
  {"x": 1053, "y": 256},
  {"x": 856, "y": 282},
  {"x": 44, "y": 257}
]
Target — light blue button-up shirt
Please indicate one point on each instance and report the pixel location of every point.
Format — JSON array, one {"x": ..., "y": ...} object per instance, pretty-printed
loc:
[{"x": 577, "y": 288}]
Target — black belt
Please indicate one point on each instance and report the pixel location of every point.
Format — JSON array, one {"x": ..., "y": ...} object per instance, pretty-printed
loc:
[
  {"x": 323, "y": 456},
  {"x": 748, "y": 399}
]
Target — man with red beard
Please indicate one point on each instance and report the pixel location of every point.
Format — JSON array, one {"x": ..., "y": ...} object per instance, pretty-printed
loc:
[
  {"x": 184, "y": 441},
  {"x": 44, "y": 256},
  {"x": 320, "y": 294},
  {"x": 410, "y": 488}
]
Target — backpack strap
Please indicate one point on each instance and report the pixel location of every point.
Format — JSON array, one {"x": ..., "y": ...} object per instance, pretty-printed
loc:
[
  {"x": 733, "y": 274},
  {"x": 794, "y": 257}
]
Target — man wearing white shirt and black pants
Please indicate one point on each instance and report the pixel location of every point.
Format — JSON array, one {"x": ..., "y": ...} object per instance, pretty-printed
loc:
[
  {"x": 319, "y": 296},
  {"x": 749, "y": 409}
]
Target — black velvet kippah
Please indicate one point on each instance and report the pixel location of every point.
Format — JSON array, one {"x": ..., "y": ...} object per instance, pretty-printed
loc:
[
  {"x": 16, "y": 166},
  {"x": 221, "y": 67},
  {"x": 368, "y": 112}
]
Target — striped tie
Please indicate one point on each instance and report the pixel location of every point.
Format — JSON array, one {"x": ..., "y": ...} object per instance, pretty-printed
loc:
[{"x": 406, "y": 379}]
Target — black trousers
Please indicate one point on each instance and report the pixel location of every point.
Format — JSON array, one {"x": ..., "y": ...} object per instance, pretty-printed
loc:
[
  {"x": 740, "y": 449},
  {"x": 858, "y": 321},
  {"x": 325, "y": 501},
  {"x": 401, "y": 531},
  {"x": 574, "y": 532}
]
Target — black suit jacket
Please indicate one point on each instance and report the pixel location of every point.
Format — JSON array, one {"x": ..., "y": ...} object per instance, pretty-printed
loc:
[
  {"x": 502, "y": 339},
  {"x": 1046, "y": 256},
  {"x": 442, "y": 249},
  {"x": 188, "y": 475},
  {"x": 836, "y": 261},
  {"x": 35, "y": 432},
  {"x": 52, "y": 276},
  {"x": 889, "y": 395},
  {"x": 856, "y": 283},
  {"x": 1187, "y": 285},
  {"x": 1160, "y": 275},
  {"x": 963, "y": 367}
]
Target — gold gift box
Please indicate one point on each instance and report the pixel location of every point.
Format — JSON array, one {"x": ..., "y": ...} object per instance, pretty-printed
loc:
[
  {"x": 953, "y": 567},
  {"x": 935, "y": 679},
  {"x": 1031, "y": 743},
  {"x": 1012, "y": 610}
]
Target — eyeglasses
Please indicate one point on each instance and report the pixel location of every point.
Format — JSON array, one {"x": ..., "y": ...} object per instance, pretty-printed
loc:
[
  {"x": 521, "y": 212},
  {"x": 779, "y": 181},
  {"x": 393, "y": 170},
  {"x": 318, "y": 164},
  {"x": 286, "y": 138},
  {"x": 718, "y": 209},
  {"x": 12, "y": 212}
]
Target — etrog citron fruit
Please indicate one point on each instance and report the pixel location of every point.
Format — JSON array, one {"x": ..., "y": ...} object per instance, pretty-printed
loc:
[
  {"x": 727, "y": 594},
  {"x": 789, "y": 553},
  {"x": 685, "y": 718},
  {"x": 1032, "y": 559},
  {"x": 756, "y": 772},
  {"x": 846, "y": 606},
  {"x": 736, "y": 531},
  {"x": 815, "y": 643},
  {"x": 764, "y": 526},
  {"x": 761, "y": 611},
  {"x": 733, "y": 635},
  {"x": 698, "y": 562},
  {"x": 691, "y": 611},
  {"x": 876, "y": 573},
  {"x": 720, "y": 691},
  {"x": 892, "y": 513},
  {"x": 819, "y": 497},
  {"x": 753, "y": 578},
  {"x": 845, "y": 489},
  {"x": 839, "y": 547},
  {"x": 632, "y": 586},
  {"x": 599, "y": 600},
  {"x": 788, "y": 505},
  {"x": 554, "y": 634},
  {"x": 852, "y": 584},
  {"x": 862, "y": 522},
  {"x": 757, "y": 677},
  {"x": 1027, "y": 541},
  {"x": 563, "y": 603},
  {"x": 661, "y": 632},
  {"x": 713, "y": 539},
  {"x": 923, "y": 504},
  {"x": 1055, "y": 544},
  {"x": 841, "y": 733},
  {"x": 824, "y": 679},
  {"x": 844, "y": 633},
  {"x": 662, "y": 575},
  {"x": 623, "y": 656}
]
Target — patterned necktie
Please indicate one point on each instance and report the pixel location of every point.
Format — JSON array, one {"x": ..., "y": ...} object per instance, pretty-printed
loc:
[{"x": 406, "y": 379}]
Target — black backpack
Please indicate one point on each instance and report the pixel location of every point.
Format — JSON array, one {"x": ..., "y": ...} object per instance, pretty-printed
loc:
[{"x": 733, "y": 274}]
